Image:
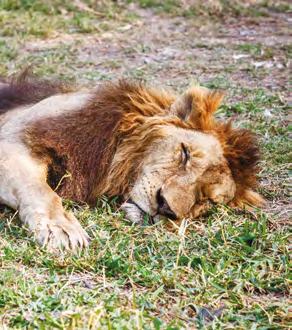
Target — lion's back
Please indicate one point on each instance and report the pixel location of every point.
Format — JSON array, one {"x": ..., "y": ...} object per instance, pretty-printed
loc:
[{"x": 25, "y": 89}]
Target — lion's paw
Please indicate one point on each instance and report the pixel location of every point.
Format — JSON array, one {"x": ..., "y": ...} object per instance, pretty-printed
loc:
[{"x": 64, "y": 232}]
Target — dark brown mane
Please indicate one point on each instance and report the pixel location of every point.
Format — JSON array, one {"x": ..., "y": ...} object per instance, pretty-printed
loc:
[
  {"x": 241, "y": 149},
  {"x": 84, "y": 142},
  {"x": 28, "y": 89}
]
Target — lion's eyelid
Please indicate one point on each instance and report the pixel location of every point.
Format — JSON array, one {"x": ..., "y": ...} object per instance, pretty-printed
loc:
[{"x": 185, "y": 154}]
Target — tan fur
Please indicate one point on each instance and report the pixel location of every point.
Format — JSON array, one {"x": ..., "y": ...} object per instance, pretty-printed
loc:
[{"x": 163, "y": 154}]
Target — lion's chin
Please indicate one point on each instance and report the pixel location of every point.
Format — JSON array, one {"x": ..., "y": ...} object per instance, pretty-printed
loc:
[{"x": 136, "y": 215}]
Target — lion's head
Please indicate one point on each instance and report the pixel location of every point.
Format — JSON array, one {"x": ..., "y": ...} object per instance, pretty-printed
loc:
[{"x": 179, "y": 162}]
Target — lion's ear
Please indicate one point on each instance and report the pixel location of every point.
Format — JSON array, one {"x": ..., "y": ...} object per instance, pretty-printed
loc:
[{"x": 197, "y": 106}]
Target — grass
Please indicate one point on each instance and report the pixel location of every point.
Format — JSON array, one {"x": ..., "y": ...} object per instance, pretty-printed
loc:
[
  {"x": 37, "y": 18},
  {"x": 229, "y": 270},
  {"x": 149, "y": 276}
]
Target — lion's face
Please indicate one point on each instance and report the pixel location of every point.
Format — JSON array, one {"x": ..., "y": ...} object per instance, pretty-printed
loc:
[
  {"x": 182, "y": 175},
  {"x": 186, "y": 160}
]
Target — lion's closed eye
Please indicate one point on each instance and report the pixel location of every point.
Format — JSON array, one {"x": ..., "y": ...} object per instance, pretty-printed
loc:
[
  {"x": 185, "y": 154},
  {"x": 188, "y": 156}
]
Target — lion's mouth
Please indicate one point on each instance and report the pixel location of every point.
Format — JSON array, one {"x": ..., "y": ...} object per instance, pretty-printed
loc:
[{"x": 137, "y": 214}]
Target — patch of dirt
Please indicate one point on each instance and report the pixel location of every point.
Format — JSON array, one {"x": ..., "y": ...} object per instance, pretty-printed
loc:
[{"x": 167, "y": 49}]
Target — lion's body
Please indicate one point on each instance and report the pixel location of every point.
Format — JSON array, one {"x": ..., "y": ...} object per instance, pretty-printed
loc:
[{"x": 110, "y": 140}]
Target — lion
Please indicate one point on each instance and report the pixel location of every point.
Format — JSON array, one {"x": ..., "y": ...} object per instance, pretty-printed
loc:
[{"x": 164, "y": 155}]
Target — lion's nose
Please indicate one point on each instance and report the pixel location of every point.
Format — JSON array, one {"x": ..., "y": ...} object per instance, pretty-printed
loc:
[{"x": 163, "y": 207}]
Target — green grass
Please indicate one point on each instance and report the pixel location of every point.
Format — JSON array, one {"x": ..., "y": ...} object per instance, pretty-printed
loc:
[
  {"x": 229, "y": 270},
  {"x": 37, "y": 18},
  {"x": 149, "y": 276}
]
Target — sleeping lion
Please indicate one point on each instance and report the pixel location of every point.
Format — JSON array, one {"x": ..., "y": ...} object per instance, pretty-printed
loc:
[{"x": 163, "y": 154}]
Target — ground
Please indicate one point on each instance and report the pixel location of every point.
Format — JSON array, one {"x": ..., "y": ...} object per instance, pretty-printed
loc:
[{"x": 228, "y": 270}]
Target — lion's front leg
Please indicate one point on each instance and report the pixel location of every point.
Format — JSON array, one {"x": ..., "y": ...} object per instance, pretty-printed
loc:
[
  {"x": 42, "y": 211},
  {"x": 23, "y": 186}
]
